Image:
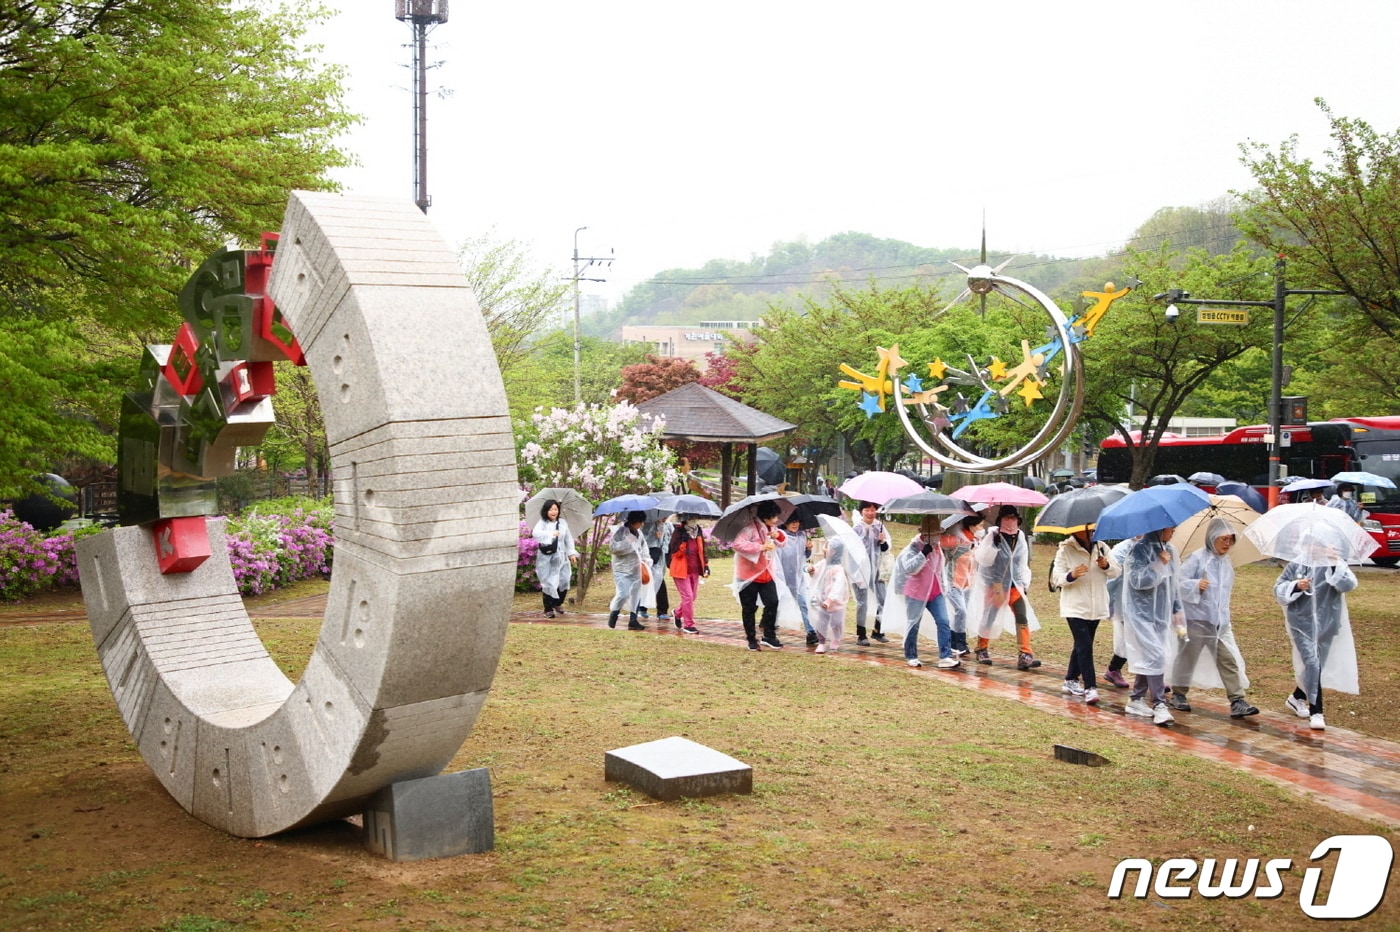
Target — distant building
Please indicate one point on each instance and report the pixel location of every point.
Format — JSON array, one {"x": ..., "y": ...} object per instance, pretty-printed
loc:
[{"x": 692, "y": 341}]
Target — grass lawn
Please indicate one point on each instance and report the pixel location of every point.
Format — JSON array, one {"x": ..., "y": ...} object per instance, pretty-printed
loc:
[{"x": 881, "y": 800}]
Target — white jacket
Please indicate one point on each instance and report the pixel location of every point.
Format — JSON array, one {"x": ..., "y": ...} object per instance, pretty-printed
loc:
[{"x": 1087, "y": 596}]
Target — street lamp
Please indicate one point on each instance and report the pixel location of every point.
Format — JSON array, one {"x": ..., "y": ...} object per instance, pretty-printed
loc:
[{"x": 1175, "y": 296}]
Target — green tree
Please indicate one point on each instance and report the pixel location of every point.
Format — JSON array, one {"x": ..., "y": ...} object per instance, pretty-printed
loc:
[
  {"x": 601, "y": 451},
  {"x": 136, "y": 137},
  {"x": 1338, "y": 222},
  {"x": 517, "y": 300},
  {"x": 1139, "y": 361}
]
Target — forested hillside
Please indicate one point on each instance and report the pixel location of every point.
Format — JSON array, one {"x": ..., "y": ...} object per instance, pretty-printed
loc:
[{"x": 729, "y": 289}]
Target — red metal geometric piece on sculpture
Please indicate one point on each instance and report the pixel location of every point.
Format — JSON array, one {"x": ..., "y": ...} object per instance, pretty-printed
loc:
[
  {"x": 267, "y": 321},
  {"x": 181, "y": 544},
  {"x": 251, "y": 381},
  {"x": 181, "y": 370}
]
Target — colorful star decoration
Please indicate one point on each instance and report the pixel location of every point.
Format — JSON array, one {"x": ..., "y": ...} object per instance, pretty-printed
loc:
[{"x": 996, "y": 378}]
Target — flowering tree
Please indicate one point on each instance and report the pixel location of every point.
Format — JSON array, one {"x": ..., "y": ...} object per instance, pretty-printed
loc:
[{"x": 600, "y": 451}]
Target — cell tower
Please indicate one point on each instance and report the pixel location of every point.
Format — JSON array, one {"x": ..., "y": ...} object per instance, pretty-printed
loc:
[{"x": 422, "y": 15}]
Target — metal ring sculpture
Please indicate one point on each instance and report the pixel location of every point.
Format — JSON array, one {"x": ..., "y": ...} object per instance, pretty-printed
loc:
[
  {"x": 426, "y": 518},
  {"x": 1057, "y": 426}
]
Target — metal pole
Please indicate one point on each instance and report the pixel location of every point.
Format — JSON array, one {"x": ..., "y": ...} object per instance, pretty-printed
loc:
[
  {"x": 578, "y": 392},
  {"x": 420, "y": 80},
  {"x": 1276, "y": 390}
]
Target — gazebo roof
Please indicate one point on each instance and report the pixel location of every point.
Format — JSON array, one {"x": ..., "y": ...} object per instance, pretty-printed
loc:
[{"x": 694, "y": 412}]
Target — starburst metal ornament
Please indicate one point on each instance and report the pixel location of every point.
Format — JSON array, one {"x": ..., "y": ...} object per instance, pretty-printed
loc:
[{"x": 1032, "y": 377}]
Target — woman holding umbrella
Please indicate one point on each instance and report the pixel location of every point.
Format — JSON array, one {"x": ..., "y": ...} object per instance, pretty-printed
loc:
[
  {"x": 998, "y": 599},
  {"x": 753, "y": 575},
  {"x": 1151, "y": 603},
  {"x": 629, "y": 556},
  {"x": 1081, "y": 572},
  {"x": 554, "y": 557},
  {"x": 687, "y": 564}
]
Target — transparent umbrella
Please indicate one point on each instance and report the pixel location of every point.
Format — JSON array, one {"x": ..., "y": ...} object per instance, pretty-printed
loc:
[{"x": 1310, "y": 534}]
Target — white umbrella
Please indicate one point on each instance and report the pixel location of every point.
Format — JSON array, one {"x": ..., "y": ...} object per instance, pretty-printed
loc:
[
  {"x": 1310, "y": 534},
  {"x": 853, "y": 555},
  {"x": 573, "y": 508},
  {"x": 1190, "y": 534}
]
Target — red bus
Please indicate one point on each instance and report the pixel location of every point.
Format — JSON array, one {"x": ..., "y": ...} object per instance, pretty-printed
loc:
[{"x": 1317, "y": 450}]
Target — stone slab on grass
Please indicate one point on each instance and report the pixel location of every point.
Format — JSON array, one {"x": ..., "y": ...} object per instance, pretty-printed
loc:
[
  {"x": 673, "y": 768},
  {"x": 433, "y": 817}
]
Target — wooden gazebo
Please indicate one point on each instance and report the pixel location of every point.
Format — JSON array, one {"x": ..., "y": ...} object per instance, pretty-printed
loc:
[{"x": 694, "y": 412}]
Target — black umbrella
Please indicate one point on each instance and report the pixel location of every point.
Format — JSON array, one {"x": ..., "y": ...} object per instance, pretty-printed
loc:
[
  {"x": 807, "y": 507},
  {"x": 741, "y": 514},
  {"x": 1077, "y": 509},
  {"x": 925, "y": 503}
]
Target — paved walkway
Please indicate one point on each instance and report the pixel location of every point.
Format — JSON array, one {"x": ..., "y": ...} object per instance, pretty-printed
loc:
[{"x": 1338, "y": 768}]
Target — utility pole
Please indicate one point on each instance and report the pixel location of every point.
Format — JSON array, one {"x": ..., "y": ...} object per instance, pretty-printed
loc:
[
  {"x": 582, "y": 264},
  {"x": 421, "y": 15}
]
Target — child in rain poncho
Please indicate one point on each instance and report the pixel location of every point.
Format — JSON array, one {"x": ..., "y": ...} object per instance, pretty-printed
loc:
[
  {"x": 1315, "y": 614},
  {"x": 957, "y": 540},
  {"x": 792, "y": 556},
  {"x": 997, "y": 601},
  {"x": 1151, "y": 608},
  {"x": 1209, "y": 657},
  {"x": 827, "y": 596}
]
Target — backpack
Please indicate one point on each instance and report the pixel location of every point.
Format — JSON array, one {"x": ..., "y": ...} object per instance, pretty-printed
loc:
[{"x": 1050, "y": 577}]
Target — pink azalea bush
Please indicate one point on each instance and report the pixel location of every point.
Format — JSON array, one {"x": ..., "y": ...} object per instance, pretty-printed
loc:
[
  {"x": 525, "y": 579},
  {"x": 28, "y": 562},
  {"x": 276, "y": 543}
]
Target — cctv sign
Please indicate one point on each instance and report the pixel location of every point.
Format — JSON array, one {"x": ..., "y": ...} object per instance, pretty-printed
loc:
[{"x": 1221, "y": 315}]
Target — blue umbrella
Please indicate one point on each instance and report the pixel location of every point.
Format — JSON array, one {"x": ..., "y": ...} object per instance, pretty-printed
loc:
[
  {"x": 1245, "y": 492},
  {"x": 623, "y": 503},
  {"x": 1150, "y": 509},
  {"x": 1363, "y": 478}
]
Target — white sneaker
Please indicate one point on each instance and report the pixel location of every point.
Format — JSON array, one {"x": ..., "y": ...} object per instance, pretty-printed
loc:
[
  {"x": 1316, "y": 723},
  {"x": 1299, "y": 706},
  {"x": 821, "y": 649},
  {"x": 1072, "y": 687},
  {"x": 949, "y": 663},
  {"x": 1091, "y": 697},
  {"x": 1138, "y": 707},
  {"x": 915, "y": 662},
  {"x": 1161, "y": 715}
]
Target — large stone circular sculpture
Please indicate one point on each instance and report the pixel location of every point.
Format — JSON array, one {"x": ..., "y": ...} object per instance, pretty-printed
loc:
[{"x": 426, "y": 502}]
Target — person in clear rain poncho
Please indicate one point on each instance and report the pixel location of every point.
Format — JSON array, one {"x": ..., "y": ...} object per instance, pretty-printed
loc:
[
  {"x": 792, "y": 559},
  {"x": 917, "y": 582},
  {"x": 1315, "y": 615},
  {"x": 1345, "y": 500},
  {"x": 1208, "y": 656},
  {"x": 997, "y": 601},
  {"x": 629, "y": 553},
  {"x": 1151, "y": 610},
  {"x": 1119, "y": 660},
  {"x": 827, "y": 595},
  {"x": 554, "y": 558},
  {"x": 959, "y": 534}
]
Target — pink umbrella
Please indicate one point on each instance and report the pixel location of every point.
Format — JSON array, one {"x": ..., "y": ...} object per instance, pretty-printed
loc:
[
  {"x": 1000, "y": 493},
  {"x": 879, "y": 487}
]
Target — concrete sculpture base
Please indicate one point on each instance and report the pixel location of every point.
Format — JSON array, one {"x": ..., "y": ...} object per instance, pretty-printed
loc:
[
  {"x": 426, "y": 504},
  {"x": 675, "y": 767},
  {"x": 435, "y": 817}
]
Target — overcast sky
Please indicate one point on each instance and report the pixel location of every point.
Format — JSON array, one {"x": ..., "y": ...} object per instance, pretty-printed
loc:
[{"x": 678, "y": 132}]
